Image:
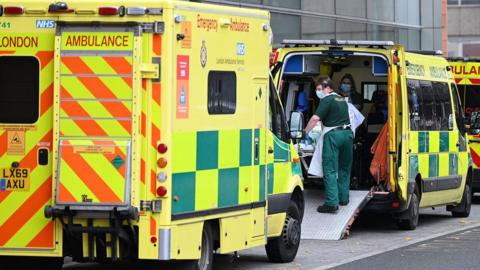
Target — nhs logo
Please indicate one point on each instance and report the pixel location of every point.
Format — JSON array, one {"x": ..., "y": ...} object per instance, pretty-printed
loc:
[{"x": 45, "y": 24}]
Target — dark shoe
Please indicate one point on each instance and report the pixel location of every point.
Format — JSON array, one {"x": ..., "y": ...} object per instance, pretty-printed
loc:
[
  {"x": 343, "y": 203},
  {"x": 327, "y": 209}
]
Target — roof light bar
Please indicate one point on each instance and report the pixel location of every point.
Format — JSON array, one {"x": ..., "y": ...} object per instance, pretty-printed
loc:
[
  {"x": 425, "y": 52},
  {"x": 13, "y": 10},
  {"x": 334, "y": 42}
]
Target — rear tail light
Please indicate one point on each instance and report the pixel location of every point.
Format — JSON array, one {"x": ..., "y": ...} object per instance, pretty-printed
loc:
[
  {"x": 153, "y": 239},
  {"x": 108, "y": 11},
  {"x": 136, "y": 11},
  {"x": 162, "y": 148},
  {"x": 162, "y": 177},
  {"x": 395, "y": 204},
  {"x": 161, "y": 191},
  {"x": 162, "y": 162},
  {"x": 13, "y": 10}
]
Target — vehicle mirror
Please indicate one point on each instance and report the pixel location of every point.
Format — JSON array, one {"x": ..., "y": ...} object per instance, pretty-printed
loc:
[{"x": 296, "y": 125}]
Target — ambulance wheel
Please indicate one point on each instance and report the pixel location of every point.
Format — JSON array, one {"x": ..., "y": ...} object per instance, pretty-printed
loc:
[
  {"x": 283, "y": 249},
  {"x": 206, "y": 251},
  {"x": 412, "y": 212},
  {"x": 463, "y": 210}
]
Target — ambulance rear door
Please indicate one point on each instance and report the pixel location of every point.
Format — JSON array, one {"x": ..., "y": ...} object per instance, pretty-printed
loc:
[
  {"x": 26, "y": 110},
  {"x": 97, "y": 112}
]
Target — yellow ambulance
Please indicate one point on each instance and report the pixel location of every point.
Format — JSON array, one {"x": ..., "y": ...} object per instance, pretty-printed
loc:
[
  {"x": 142, "y": 130},
  {"x": 467, "y": 77},
  {"x": 413, "y": 94}
]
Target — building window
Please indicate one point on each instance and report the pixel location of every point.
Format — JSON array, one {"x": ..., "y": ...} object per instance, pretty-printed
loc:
[
  {"x": 222, "y": 92},
  {"x": 19, "y": 95}
]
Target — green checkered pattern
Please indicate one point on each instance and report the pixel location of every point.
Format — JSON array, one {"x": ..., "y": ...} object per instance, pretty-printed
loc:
[
  {"x": 211, "y": 169},
  {"x": 435, "y": 154}
]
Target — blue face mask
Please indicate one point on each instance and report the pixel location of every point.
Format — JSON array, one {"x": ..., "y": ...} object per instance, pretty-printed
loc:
[
  {"x": 320, "y": 94},
  {"x": 345, "y": 88}
]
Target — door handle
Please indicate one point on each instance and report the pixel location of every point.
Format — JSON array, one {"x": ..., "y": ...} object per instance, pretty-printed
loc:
[{"x": 270, "y": 150}]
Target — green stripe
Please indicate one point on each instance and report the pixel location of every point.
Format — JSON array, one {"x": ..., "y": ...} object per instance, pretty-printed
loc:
[
  {"x": 183, "y": 188},
  {"x": 262, "y": 183},
  {"x": 245, "y": 147},
  {"x": 270, "y": 177},
  {"x": 280, "y": 150},
  {"x": 433, "y": 165},
  {"x": 228, "y": 187},
  {"x": 423, "y": 142},
  {"x": 413, "y": 166},
  {"x": 296, "y": 169},
  {"x": 207, "y": 150},
  {"x": 453, "y": 164},
  {"x": 444, "y": 141}
]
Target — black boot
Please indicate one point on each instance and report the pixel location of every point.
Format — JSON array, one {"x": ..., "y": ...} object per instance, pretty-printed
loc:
[
  {"x": 327, "y": 209},
  {"x": 343, "y": 203}
]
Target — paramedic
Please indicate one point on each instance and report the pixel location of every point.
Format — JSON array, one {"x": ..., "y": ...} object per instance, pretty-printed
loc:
[
  {"x": 337, "y": 145},
  {"x": 347, "y": 88}
]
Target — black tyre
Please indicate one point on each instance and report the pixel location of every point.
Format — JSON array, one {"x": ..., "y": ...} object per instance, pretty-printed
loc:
[
  {"x": 463, "y": 209},
  {"x": 283, "y": 249},
  {"x": 413, "y": 213},
  {"x": 206, "y": 251}
]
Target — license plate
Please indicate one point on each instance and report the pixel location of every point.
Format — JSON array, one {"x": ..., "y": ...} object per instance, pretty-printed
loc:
[{"x": 15, "y": 179}]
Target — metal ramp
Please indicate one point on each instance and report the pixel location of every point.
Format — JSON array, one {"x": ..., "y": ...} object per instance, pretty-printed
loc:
[{"x": 320, "y": 226}]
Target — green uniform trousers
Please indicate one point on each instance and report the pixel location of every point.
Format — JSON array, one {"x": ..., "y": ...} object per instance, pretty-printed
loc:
[{"x": 337, "y": 163}]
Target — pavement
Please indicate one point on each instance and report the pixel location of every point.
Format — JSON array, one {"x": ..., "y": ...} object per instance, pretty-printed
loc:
[
  {"x": 453, "y": 251},
  {"x": 371, "y": 235}
]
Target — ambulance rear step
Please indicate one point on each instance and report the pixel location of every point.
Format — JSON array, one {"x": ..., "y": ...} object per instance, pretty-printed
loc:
[{"x": 321, "y": 226}]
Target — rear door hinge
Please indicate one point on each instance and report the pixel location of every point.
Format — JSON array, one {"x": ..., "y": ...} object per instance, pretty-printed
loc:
[
  {"x": 155, "y": 27},
  {"x": 150, "y": 71},
  {"x": 154, "y": 206}
]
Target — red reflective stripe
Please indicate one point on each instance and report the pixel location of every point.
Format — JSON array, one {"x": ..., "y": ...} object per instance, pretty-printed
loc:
[
  {"x": 475, "y": 81},
  {"x": 23, "y": 214},
  {"x": 88, "y": 176},
  {"x": 142, "y": 171},
  {"x": 157, "y": 45},
  {"x": 153, "y": 182},
  {"x": 89, "y": 127},
  {"x": 119, "y": 64},
  {"x": 45, "y": 58},
  {"x": 3, "y": 144},
  {"x": 153, "y": 226},
  {"x": 46, "y": 100},
  {"x": 475, "y": 157},
  {"x": 64, "y": 195},
  {"x": 458, "y": 80},
  {"x": 44, "y": 238},
  {"x": 156, "y": 90},
  {"x": 7, "y": 52},
  {"x": 144, "y": 125},
  {"x": 155, "y": 135}
]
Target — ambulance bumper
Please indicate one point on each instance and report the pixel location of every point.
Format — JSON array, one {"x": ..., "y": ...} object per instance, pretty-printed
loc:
[
  {"x": 122, "y": 213},
  {"x": 387, "y": 202}
]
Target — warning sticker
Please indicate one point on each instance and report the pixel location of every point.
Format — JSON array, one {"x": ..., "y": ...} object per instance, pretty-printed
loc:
[
  {"x": 16, "y": 142},
  {"x": 187, "y": 33},
  {"x": 93, "y": 149},
  {"x": 183, "y": 75}
]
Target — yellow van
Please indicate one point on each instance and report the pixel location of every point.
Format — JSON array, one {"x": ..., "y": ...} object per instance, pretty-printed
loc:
[
  {"x": 467, "y": 77},
  {"x": 427, "y": 162},
  {"x": 142, "y": 130}
]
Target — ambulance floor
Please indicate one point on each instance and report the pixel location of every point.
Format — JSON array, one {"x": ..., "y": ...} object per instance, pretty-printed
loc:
[{"x": 328, "y": 226}]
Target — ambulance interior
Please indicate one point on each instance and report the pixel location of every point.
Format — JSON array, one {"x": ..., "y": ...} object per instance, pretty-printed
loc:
[{"x": 368, "y": 95}]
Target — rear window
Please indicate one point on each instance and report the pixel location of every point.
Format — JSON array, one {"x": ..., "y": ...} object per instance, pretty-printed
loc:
[{"x": 19, "y": 94}]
